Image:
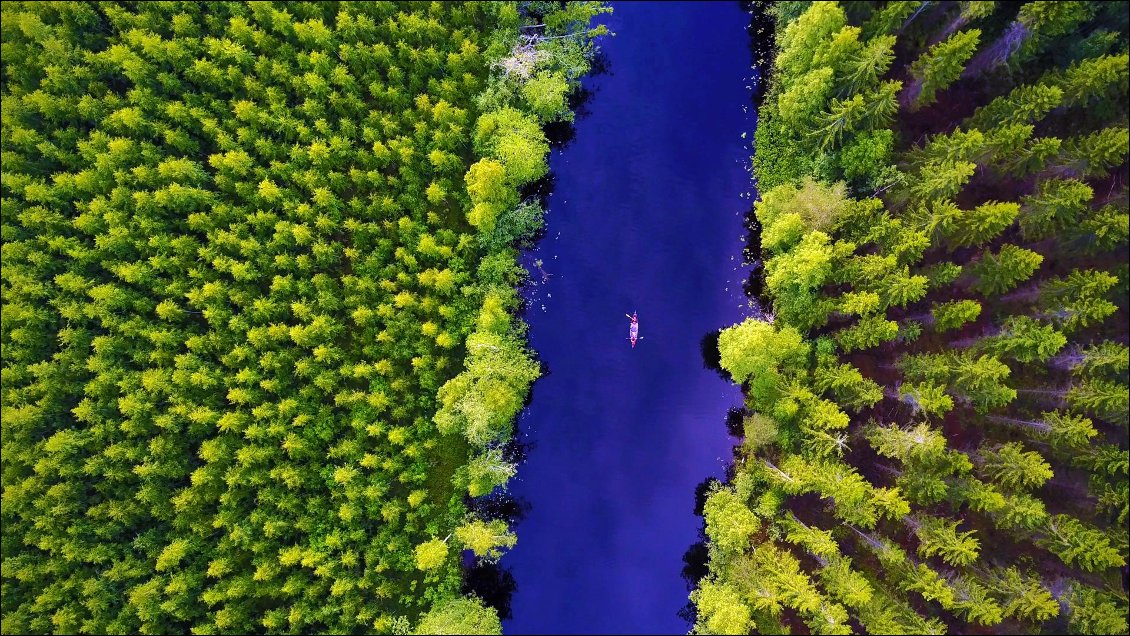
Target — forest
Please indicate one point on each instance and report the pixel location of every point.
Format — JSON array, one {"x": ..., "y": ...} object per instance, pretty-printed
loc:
[
  {"x": 261, "y": 353},
  {"x": 268, "y": 322},
  {"x": 934, "y": 431}
]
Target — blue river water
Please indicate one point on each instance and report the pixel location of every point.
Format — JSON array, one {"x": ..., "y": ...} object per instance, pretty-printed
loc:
[{"x": 646, "y": 215}]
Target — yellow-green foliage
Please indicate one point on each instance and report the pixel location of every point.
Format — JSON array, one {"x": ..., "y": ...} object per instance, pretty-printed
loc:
[
  {"x": 923, "y": 448},
  {"x": 245, "y": 247}
]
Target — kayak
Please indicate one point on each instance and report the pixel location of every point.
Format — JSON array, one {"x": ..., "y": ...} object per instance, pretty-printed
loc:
[{"x": 634, "y": 329}]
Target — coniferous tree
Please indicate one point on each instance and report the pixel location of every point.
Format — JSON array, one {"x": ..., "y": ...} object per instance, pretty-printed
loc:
[
  {"x": 870, "y": 331},
  {"x": 1013, "y": 467},
  {"x": 940, "y": 66},
  {"x": 1057, "y": 205},
  {"x": 1024, "y": 339},
  {"x": 1034, "y": 163},
  {"x": 1077, "y": 544},
  {"x": 1024, "y": 104},
  {"x": 1079, "y": 299},
  {"x": 955, "y": 314},
  {"x": 998, "y": 273},
  {"x": 941, "y": 537},
  {"x": 1103, "y": 231}
]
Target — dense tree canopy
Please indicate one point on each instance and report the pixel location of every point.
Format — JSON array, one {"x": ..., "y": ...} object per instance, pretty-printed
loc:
[
  {"x": 258, "y": 273},
  {"x": 936, "y": 401}
]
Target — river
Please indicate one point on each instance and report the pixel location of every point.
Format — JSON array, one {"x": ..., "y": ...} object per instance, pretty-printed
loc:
[{"x": 646, "y": 215}]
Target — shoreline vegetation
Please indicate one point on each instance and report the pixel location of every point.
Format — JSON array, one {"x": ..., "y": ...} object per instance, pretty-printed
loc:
[
  {"x": 935, "y": 427},
  {"x": 260, "y": 347}
]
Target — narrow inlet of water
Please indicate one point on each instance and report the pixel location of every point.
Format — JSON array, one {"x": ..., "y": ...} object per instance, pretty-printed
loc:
[{"x": 646, "y": 215}]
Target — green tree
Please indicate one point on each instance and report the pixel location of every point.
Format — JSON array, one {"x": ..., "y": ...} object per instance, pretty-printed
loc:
[
  {"x": 1107, "y": 400},
  {"x": 926, "y": 398},
  {"x": 1068, "y": 431},
  {"x": 958, "y": 146},
  {"x": 805, "y": 98},
  {"x": 431, "y": 554},
  {"x": 1094, "y": 154},
  {"x": 490, "y": 193},
  {"x": 1034, "y": 28},
  {"x": 996, "y": 274},
  {"x": 1102, "y": 231},
  {"x": 964, "y": 228},
  {"x": 1020, "y": 595},
  {"x": 1079, "y": 299},
  {"x": 973, "y": 601},
  {"x": 940, "y": 66},
  {"x": 867, "y": 65},
  {"x": 730, "y": 524},
  {"x": 547, "y": 95},
  {"x": 1057, "y": 205},
  {"x": 460, "y": 615},
  {"x": 848, "y": 385},
  {"x": 867, "y": 160},
  {"x": 940, "y": 181},
  {"x": 487, "y": 471},
  {"x": 955, "y": 314},
  {"x": 1024, "y": 339},
  {"x": 758, "y": 431},
  {"x": 1091, "y": 80},
  {"x": 870, "y": 331},
  {"x": 817, "y": 205},
  {"x": 940, "y": 275},
  {"x": 891, "y": 18},
  {"x": 515, "y": 225},
  {"x": 1107, "y": 358},
  {"x": 937, "y": 536},
  {"x": 805, "y": 35},
  {"x": 720, "y": 610},
  {"x": 1013, "y": 467},
  {"x": 1078, "y": 545},
  {"x": 1096, "y": 612},
  {"x": 487, "y": 539},
  {"x": 1034, "y": 157},
  {"x": 977, "y": 378},
  {"x": 758, "y": 352},
  {"x": 481, "y": 401},
  {"x": 815, "y": 541},
  {"x": 516, "y": 140},
  {"x": 850, "y": 586},
  {"x": 899, "y": 288},
  {"x": 1024, "y": 104},
  {"x": 861, "y": 112}
]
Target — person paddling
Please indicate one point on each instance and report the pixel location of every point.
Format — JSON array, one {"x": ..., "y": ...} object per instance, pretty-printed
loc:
[{"x": 633, "y": 329}]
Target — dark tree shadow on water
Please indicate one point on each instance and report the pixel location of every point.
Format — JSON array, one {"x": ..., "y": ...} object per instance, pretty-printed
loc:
[
  {"x": 539, "y": 190},
  {"x": 697, "y": 556},
  {"x": 711, "y": 358},
  {"x": 700, "y": 493},
  {"x": 695, "y": 568},
  {"x": 500, "y": 505},
  {"x": 735, "y": 421},
  {"x": 600, "y": 64},
  {"x": 561, "y": 133},
  {"x": 761, "y": 40},
  {"x": 493, "y": 584},
  {"x": 694, "y": 564}
]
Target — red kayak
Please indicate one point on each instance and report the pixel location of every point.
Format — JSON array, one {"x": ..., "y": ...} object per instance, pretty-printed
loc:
[{"x": 634, "y": 329}]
